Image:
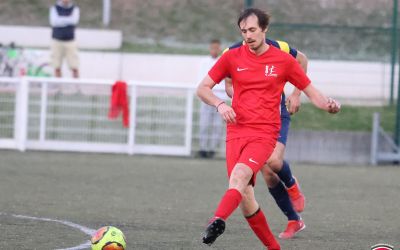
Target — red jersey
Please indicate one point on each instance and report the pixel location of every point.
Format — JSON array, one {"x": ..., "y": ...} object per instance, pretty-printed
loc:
[{"x": 258, "y": 82}]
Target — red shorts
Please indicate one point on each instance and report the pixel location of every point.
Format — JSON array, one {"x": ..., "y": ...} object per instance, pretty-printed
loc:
[{"x": 252, "y": 151}]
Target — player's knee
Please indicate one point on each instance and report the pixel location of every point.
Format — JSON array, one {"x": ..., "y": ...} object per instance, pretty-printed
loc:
[
  {"x": 241, "y": 172},
  {"x": 267, "y": 173},
  {"x": 275, "y": 163},
  {"x": 271, "y": 179},
  {"x": 240, "y": 177}
]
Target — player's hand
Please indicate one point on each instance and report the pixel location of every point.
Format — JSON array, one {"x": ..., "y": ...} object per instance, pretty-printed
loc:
[
  {"x": 333, "y": 106},
  {"x": 293, "y": 103},
  {"x": 227, "y": 113}
]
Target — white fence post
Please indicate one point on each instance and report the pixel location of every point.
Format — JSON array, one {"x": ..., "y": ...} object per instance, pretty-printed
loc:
[
  {"x": 132, "y": 119},
  {"x": 189, "y": 121},
  {"x": 21, "y": 115},
  {"x": 43, "y": 112}
]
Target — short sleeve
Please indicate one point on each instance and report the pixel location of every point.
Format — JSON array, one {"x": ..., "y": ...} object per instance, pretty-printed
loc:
[
  {"x": 296, "y": 75},
  {"x": 220, "y": 70}
]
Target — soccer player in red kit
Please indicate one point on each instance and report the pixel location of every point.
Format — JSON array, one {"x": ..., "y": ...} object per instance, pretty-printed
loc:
[
  {"x": 282, "y": 185},
  {"x": 259, "y": 73}
]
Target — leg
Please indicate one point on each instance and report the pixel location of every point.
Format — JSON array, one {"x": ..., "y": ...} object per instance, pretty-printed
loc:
[
  {"x": 243, "y": 158},
  {"x": 204, "y": 124},
  {"x": 56, "y": 54},
  {"x": 57, "y": 72},
  {"x": 216, "y": 133},
  {"x": 270, "y": 177},
  {"x": 75, "y": 73},
  {"x": 71, "y": 53},
  {"x": 275, "y": 162},
  {"x": 279, "y": 193},
  {"x": 281, "y": 167},
  {"x": 238, "y": 181},
  {"x": 257, "y": 220},
  {"x": 281, "y": 196}
]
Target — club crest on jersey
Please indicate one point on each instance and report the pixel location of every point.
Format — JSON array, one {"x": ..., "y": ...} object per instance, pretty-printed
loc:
[{"x": 270, "y": 71}]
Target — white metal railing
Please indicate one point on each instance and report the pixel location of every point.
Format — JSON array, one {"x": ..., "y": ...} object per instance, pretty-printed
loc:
[
  {"x": 161, "y": 116},
  {"x": 8, "y": 120}
]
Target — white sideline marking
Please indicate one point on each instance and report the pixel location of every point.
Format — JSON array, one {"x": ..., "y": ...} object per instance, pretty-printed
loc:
[{"x": 86, "y": 230}]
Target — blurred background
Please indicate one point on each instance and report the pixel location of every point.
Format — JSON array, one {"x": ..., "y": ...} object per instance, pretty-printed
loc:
[
  {"x": 336, "y": 29},
  {"x": 130, "y": 138}
]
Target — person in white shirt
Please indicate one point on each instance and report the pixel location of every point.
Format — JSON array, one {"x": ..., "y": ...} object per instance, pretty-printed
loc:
[
  {"x": 64, "y": 17},
  {"x": 211, "y": 124}
]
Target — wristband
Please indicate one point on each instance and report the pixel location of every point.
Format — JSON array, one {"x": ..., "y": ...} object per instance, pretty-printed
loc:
[{"x": 219, "y": 104}]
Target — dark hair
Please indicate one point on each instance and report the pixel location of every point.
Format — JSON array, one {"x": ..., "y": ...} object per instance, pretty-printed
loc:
[
  {"x": 215, "y": 41},
  {"x": 262, "y": 16}
]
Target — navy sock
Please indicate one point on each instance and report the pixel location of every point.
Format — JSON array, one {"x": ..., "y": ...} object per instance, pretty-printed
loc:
[
  {"x": 282, "y": 199},
  {"x": 286, "y": 175}
]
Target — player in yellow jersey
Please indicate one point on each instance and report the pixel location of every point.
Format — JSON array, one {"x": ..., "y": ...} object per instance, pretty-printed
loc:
[{"x": 277, "y": 174}]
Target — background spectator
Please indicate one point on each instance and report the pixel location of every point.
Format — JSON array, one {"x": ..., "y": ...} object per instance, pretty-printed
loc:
[
  {"x": 64, "y": 17},
  {"x": 211, "y": 124}
]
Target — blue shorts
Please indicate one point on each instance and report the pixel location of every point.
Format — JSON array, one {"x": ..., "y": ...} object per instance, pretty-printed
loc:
[{"x": 285, "y": 122}]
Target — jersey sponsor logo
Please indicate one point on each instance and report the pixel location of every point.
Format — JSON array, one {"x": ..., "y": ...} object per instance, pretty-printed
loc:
[
  {"x": 270, "y": 71},
  {"x": 241, "y": 69},
  {"x": 253, "y": 161},
  {"x": 382, "y": 247}
]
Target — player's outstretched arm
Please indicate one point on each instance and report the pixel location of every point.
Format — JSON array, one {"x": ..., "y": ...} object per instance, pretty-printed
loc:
[
  {"x": 293, "y": 101},
  {"x": 319, "y": 100},
  {"x": 204, "y": 92}
]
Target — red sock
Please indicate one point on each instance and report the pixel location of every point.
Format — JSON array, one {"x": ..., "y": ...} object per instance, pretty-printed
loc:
[
  {"x": 260, "y": 227},
  {"x": 229, "y": 202}
]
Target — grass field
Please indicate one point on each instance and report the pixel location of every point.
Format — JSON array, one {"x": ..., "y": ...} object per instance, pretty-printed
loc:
[{"x": 165, "y": 202}]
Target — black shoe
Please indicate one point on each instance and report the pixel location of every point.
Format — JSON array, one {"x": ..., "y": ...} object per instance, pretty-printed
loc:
[
  {"x": 210, "y": 154},
  {"x": 202, "y": 154},
  {"x": 213, "y": 230}
]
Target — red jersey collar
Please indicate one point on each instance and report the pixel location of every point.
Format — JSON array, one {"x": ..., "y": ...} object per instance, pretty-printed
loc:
[{"x": 254, "y": 55}]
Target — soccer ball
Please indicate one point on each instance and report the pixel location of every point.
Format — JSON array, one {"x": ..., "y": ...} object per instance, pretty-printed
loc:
[{"x": 108, "y": 238}]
